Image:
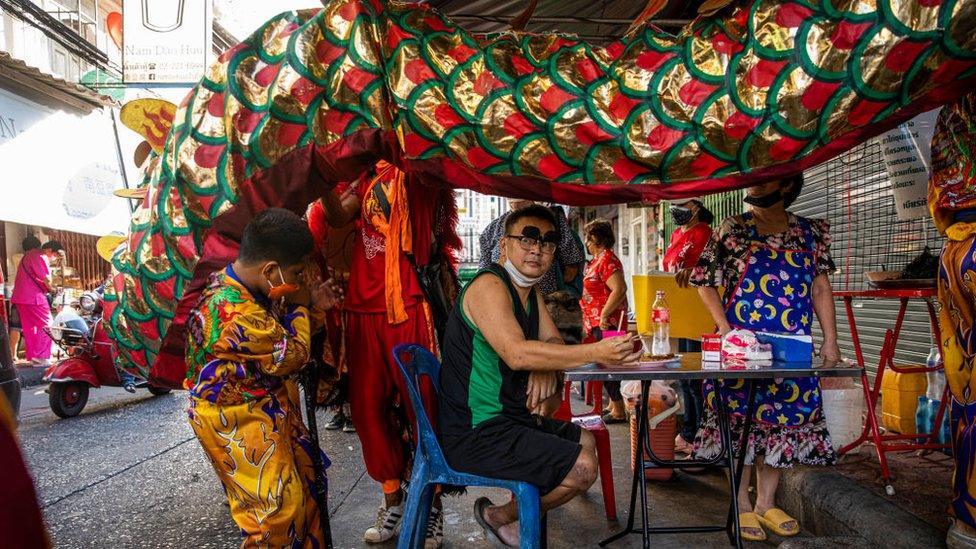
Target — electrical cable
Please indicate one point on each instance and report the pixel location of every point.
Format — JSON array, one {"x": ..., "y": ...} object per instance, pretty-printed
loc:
[{"x": 34, "y": 16}]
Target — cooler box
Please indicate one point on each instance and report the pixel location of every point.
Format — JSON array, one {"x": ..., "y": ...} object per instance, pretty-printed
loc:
[
  {"x": 899, "y": 400},
  {"x": 661, "y": 438},
  {"x": 788, "y": 347}
]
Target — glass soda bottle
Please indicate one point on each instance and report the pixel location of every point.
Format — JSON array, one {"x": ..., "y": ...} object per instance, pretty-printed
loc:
[{"x": 660, "y": 326}]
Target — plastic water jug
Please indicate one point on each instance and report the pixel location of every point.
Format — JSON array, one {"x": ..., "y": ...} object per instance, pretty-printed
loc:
[
  {"x": 936, "y": 379},
  {"x": 899, "y": 400}
]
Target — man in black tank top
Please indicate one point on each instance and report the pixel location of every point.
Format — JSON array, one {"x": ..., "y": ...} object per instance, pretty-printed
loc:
[{"x": 501, "y": 352}]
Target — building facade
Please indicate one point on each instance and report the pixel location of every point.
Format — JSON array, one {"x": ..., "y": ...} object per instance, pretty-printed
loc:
[
  {"x": 475, "y": 212},
  {"x": 62, "y": 150}
]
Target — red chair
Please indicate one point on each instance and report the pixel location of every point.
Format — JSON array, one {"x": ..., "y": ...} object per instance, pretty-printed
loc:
[{"x": 593, "y": 423}]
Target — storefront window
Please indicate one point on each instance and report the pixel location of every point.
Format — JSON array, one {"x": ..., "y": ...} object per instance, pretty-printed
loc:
[
  {"x": 88, "y": 9},
  {"x": 637, "y": 259}
]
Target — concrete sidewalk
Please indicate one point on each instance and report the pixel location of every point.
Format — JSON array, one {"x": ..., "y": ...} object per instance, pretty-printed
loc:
[
  {"x": 833, "y": 510},
  {"x": 30, "y": 375},
  {"x": 684, "y": 500}
]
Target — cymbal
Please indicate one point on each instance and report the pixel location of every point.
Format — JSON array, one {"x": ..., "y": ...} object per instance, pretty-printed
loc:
[
  {"x": 132, "y": 194},
  {"x": 107, "y": 244}
]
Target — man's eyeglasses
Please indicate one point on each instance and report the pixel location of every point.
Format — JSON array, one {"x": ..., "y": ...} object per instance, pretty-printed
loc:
[{"x": 528, "y": 243}]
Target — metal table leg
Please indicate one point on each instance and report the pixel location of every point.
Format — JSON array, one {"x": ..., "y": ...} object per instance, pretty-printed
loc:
[
  {"x": 725, "y": 459},
  {"x": 638, "y": 474},
  {"x": 736, "y": 464}
]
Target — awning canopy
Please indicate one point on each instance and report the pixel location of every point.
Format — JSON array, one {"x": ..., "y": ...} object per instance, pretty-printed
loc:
[
  {"x": 59, "y": 170},
  {"x": 50, "y": 91},
  {"x": 594, "y": 21}
]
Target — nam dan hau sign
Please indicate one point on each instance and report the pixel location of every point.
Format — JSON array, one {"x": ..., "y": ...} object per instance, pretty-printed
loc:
[{"x": 166, "y": 41}]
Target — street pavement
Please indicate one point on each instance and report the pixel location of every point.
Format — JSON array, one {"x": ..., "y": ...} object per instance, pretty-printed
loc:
[{"x": 128, "y": 472}]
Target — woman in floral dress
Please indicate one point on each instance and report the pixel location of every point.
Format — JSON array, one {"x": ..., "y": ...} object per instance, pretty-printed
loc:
[
  {"x": 774, "y": 267},
  {"x": 604, "y": 300}
]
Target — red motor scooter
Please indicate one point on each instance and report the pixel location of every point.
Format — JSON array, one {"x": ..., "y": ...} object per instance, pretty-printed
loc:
[{"x": 89, "y": 361}]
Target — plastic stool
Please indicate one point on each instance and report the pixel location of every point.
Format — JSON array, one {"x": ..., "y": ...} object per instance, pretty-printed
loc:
[{"x": 593, "y": 422}]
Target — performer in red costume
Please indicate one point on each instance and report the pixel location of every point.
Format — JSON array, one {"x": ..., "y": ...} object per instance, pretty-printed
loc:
[
  {"x": 332, "y": 258},
  {"x": 397, "y": 218}
]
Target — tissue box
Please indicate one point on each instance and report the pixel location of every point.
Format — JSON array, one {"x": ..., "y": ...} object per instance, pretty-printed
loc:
[{"x": 788, "y": 347}]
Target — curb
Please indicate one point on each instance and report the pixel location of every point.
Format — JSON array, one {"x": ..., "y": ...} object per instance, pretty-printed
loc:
[
  {"x": 829, "y": 504},
  {"x": 31, "y": 376}
]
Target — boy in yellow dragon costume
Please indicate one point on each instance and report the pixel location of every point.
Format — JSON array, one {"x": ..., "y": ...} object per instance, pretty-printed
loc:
[{"x": 247, "y": 336}]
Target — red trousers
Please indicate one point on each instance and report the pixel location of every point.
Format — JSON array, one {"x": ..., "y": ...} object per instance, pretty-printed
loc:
[{"x": 375, "y": 385}]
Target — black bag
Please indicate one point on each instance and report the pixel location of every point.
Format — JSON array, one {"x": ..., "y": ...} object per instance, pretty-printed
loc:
[{"x": 432, "y": 282}]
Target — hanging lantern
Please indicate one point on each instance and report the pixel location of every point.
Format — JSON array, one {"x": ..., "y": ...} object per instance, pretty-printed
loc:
[{"x": 114, "y": 23}]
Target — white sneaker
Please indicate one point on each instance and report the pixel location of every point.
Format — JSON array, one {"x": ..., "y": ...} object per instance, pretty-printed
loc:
[
  {"x": 435, "y": 529},
  {"x": 387, "y": 524}
]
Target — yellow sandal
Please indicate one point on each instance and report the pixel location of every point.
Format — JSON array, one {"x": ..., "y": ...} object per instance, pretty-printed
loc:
[
  {"x": 750, "y": 520},
  {"x": 774, "y": 519}
]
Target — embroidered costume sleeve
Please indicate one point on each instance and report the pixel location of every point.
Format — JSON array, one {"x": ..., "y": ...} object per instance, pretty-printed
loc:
[
  {"x": 952, "y": 187},
  {"x": 257, "y": 338},
  {"x": 236, "y": 350}
]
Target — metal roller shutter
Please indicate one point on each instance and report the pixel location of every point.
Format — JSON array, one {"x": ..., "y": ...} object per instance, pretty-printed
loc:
[{"x": 853, "y": 193}]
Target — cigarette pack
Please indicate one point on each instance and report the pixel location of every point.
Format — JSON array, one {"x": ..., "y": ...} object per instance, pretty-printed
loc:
[{"x": 711, "y": 348}]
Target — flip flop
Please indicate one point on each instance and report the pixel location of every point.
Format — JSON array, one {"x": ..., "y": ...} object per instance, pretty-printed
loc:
[
  {"x": 750, "y": 520},
  {"x": 480, "y": 506},
  {"x": 774, "y": 519}
]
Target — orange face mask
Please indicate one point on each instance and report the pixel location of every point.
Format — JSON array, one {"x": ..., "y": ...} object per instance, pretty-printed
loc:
[{"x": 283, "y": 289}]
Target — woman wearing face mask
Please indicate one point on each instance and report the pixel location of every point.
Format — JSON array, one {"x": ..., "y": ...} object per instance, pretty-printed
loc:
[
  {"x": 604, "y": 300},
  {"x": 774, "y": 267},
  {"x": 692, "y": 231}
]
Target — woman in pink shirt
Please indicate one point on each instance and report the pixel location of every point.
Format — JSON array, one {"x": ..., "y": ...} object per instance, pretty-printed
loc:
[{"x": 31, "y": 287}]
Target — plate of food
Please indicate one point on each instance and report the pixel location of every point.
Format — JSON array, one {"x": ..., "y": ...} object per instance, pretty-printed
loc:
[{"x": 651, "y": 361}]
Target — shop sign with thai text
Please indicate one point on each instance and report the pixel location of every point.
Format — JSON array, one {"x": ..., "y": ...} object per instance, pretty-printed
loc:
[
  {"x": 907, "y": 156},
  {"x": 166, "y": 41}
]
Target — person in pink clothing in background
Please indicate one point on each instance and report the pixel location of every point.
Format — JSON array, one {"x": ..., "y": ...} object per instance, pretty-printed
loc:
[{"x": 31, "y": 286}]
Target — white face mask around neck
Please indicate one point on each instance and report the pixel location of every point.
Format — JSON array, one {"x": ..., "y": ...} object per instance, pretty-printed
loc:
[{"x": 518, "y": 278}]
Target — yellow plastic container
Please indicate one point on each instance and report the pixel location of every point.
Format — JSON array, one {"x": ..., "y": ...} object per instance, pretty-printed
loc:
[
  {"x": 899, "y": 400},
  {"x": 689, "y": 317}
]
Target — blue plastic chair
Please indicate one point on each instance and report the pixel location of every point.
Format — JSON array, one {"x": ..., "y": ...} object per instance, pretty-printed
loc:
[{"x": 430, "y": 468}]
